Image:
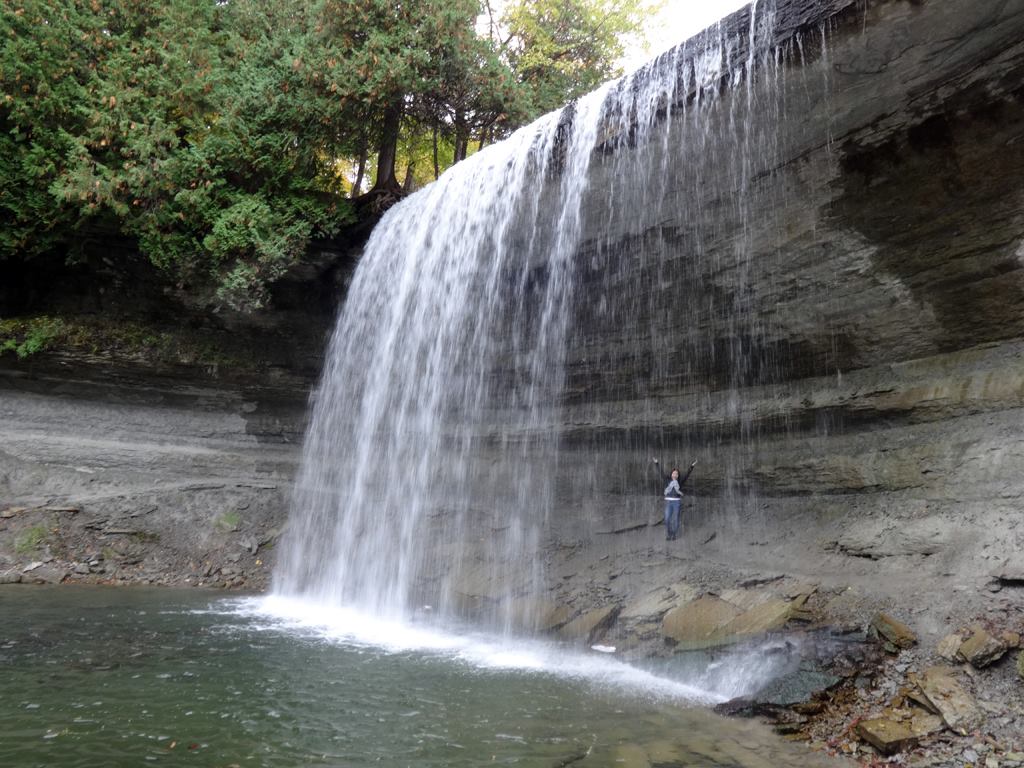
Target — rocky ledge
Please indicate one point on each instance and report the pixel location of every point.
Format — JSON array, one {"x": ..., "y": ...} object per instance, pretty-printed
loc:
[
  {"x": 850, "y": 666},
  {"x": 122, "y": 473}
]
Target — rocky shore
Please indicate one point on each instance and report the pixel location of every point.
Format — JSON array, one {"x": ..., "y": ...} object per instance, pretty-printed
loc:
[
  {"x": 66, "y": 545},
  {"x": 860, "y": 671},
  {"x": 125, "y": 473}
]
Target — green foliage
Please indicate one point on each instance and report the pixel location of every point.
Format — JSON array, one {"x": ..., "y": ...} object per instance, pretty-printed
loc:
[
  {"x": 561, "y": 49},
  {"x": 116, "y": 337},
  {"x": 175, "y": 122},
  {"x": 212, "y": 132},
  {"x": 27, "y": 337},
  {"x": 30, "y": 538}
]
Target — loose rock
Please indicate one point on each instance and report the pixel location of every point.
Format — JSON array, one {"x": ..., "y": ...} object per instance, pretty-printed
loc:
[
  {"x": 894, "y": 631},
  {"x": 899, "y": 730},
  {"x": 45, "y": 574},
  {"x": 981, "y": 648},
  {"x": 947, "y": 697},
  {"x": 948, "y": 647},
  {"x": 695, "y": 624},
  {"x": 589, "y": 625}
]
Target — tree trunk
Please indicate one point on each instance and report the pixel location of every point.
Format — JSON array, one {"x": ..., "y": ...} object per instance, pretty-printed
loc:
[
  {"x": 360, "y": 172},
  {"x": 410, "y": 182},
  {"x": 437, "y": 166},
  {"x": 461, "y": 137},
  {"x": 388, "y": 150},
  {"x": 461, "y": 143}
]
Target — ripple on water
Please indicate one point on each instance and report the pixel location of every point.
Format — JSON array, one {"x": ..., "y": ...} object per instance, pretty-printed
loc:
[{"x": 215, "y": 683}]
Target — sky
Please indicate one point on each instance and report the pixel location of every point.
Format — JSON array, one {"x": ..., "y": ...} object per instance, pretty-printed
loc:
[{"x": 677, "y": 21}]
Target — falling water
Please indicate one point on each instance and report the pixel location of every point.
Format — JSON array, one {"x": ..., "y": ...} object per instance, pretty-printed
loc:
[
  {"x": 452, "y": 337},
  {"x": 479, "y": 317}
]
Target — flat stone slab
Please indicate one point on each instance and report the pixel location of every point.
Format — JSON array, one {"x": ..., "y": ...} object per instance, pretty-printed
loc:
[
  {"x": 894, "y": 631},
  {"x": 981, "y": 648},
  {"x": 898, "y": 730},
  {"x": 588, "y": 625},
  {"x": 796, "y": 687},
  {"x": 653, "y": 604},
  {"x": 957, "y": 708},
  {"x": 949, "y": 646},
  {"x": 762, "y": 618},
  {"x": 746, "y": 598},
  {"x": 554, "y": 617},
  {"x": 713, "y": 621},
  {"x": 45, "y": 574},
  {"x": 878, "y": 539},
  {"x": 538, "y": 615},
  {"x": 695, "y": 624}
]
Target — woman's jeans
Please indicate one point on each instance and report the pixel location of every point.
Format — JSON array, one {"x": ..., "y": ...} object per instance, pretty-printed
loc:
[{"x": 672, "y": 507}]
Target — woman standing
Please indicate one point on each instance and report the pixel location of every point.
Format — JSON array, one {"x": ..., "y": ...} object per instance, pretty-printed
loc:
[{"x": 673, "y": 498}]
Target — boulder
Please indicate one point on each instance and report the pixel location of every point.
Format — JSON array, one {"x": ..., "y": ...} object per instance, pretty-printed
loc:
[
  {"x": 893, "y": 631},
  {"x": 1020, "y": 665},
  {"x": 762, "y": 618},
  {"x": 653, "y": 604},
  {"x": 800, "y": 589},
  {"x": 949, "y": 646},
  {"x": 45, "y": 574},
  {"x": 946, "y": 696},
  {"x": 797, "y": 688},
  {"x": 898, "y": 730},
  {"x": 588, "y": 626},
  {"x": 553, "y": 617},
  {"x": 878, "y": 539},
  {"x": 746, "y": 599},
  {"x": 697, "y": 624},
  {"x": 712, "y": 621},
  {"x": 981, "y": 648},
  {"x": 536, "y": 615},
  {"x": 10, "y": 577}
]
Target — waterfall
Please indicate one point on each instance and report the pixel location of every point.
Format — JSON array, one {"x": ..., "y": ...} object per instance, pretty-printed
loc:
[{"x": 435, "y": 458}]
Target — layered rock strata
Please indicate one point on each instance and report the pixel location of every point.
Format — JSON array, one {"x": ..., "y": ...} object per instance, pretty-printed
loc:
[{"x": 819, "y": 296}]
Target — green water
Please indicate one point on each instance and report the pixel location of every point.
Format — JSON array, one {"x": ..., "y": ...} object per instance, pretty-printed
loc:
[{"x": 125, "y": 677}]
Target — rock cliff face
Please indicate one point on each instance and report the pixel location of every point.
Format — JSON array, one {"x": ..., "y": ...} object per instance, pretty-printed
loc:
[
  {"x": 819, "y": 295},
  {"x": 147, "y": 475},
  {"x": 172, "y": 433},
  {"x": 811, "y": 283}
]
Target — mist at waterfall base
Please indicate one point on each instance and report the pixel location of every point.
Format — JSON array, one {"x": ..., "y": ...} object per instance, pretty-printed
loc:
[{"x": 435, "y": 462}]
